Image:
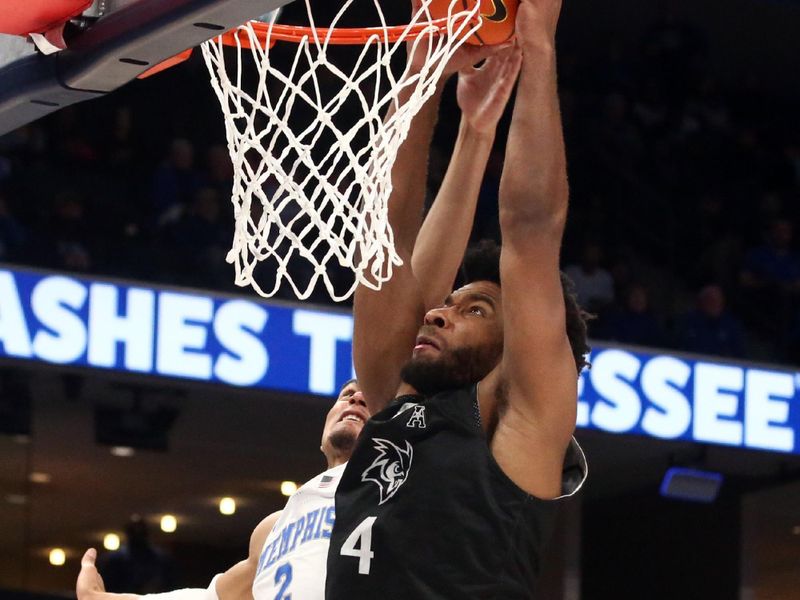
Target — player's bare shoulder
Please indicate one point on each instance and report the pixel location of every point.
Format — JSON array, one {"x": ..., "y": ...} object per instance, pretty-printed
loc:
[{"x": 260, "y": 534}]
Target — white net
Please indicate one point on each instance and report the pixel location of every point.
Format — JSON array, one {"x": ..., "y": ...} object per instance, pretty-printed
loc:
[{"x": 313, "y": 148}]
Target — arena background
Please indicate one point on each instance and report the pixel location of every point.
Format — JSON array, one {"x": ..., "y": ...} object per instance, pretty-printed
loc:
[{"x": 683, "y": 137}]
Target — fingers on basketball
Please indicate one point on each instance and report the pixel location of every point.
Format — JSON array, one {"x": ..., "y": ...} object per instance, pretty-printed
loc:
[
  {"x": 499, "y": 61},
  {"x": 478, "y": 54},
  {"x": 497, "y": 18}
]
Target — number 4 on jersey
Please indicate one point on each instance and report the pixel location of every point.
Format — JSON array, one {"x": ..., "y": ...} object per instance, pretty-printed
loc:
[{"x": 362, "y": 535}]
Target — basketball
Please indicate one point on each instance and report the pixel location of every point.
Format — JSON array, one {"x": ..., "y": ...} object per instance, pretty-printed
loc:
[{"x": 498, "y": 18}]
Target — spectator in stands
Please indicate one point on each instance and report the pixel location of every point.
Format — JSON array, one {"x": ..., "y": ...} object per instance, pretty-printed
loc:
[
  {"x": 175, "y": 182},
  {"x": 69, "y": 234},
  {"x": 714, "y": 246},
  {"x": 775, "y": 263},
  {"x": 710, "y": 328},
  {"x": 218, "y": 173},
  {"x": 72, "y": 141},
  {"x": 593, "y": 284},
  {"x": 792, "y": 355},
  {"x": 196, "y": 244},
  {"x": 12, "y": 234},
  {"x": 119, "y": 145},
  {"x": 635, "y": 323},
  {"x": 791, "y": 155},
  {"x": 770, "y": 278}
]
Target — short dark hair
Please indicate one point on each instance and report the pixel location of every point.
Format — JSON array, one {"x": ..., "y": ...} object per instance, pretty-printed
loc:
[{"x": 482, "y": 263}]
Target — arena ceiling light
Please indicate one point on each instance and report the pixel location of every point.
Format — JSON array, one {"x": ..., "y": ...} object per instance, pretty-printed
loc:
[
  {"x": 42, "y": 478},
  {"x": 227, "y": 506},
  {"x": 169, "y": 523},
  {"x": 111, "y": 541},
  {"x": 123, "y": 451},
  {"x": 57, "y": 557}
]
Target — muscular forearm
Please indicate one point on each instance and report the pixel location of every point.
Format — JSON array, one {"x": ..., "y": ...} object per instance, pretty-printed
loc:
[
  {"x": 445, "y": 232},
  {"x": 386, "y": 320},
  {"x": 533, "y": 188},
  {"x": 410, "y": 175}
]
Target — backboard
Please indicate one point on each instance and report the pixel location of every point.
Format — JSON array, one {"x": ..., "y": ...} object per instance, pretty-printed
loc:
[{"x": 112, "y": 42}]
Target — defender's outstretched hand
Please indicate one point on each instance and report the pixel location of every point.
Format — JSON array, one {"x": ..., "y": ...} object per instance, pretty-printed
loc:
[
  {"x": 483, "y": 92},
  {"x": 89, "y": 581},
  {"x": 89, "y": 585}
]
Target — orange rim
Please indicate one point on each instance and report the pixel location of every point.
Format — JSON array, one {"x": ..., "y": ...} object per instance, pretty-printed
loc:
[{"x": 338, "y": 36}]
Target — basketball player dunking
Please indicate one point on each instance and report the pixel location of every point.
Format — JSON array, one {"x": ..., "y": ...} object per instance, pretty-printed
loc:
[
  {"x": 288, "y": 549},
  {"x": 451, "y": 490}
]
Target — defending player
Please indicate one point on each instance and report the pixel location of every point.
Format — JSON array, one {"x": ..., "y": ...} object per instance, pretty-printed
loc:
[
  {"x": 451, "y": 491},
  {"x": 288, "y": 549}
]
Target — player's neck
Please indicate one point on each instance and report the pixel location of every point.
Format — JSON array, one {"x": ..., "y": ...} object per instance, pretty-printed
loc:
[
  {"x": 337, "y": 460},
  {"x": 406, "y": 389}
]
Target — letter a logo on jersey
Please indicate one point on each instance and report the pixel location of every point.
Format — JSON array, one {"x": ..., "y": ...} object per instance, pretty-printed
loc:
[
  {"x": 390, "y": 469},
  {"x": 418, "y": 418}
]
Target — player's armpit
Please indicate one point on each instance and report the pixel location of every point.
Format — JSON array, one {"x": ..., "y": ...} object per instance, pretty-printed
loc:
[
  {"x": 530, "y": 454},
  {"x": 237, "y": 582},
  {"x": 528, "y": 448},
  {"x": 534, "y": 389}
]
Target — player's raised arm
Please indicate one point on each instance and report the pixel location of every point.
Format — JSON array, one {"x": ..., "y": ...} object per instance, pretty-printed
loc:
[
  {"x": 386, "y": 321},
  {"x": 483, "y": 94},
  {"x": 538, "y": 373}
]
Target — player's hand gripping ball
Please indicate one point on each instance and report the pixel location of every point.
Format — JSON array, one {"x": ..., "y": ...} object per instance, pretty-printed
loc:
[{"x": 497, "y": 16}]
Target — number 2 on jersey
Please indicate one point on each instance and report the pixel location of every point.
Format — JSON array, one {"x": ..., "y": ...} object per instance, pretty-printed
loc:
[
  {"x": 363, "y": 536},
  {"x": 284, "y": 572}
]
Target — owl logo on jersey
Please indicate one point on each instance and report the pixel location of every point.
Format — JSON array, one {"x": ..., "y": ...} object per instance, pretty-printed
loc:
[{"x": 390, "y": 469}]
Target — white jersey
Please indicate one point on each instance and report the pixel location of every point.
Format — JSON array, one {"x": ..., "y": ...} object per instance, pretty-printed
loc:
[{"x": 294, "y": 557}]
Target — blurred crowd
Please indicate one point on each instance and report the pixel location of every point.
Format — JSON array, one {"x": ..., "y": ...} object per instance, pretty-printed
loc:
[{"x": 684, "y": 191}]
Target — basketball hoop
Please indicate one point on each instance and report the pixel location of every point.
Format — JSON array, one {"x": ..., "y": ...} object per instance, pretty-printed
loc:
[{"x": 311, "y": 145}]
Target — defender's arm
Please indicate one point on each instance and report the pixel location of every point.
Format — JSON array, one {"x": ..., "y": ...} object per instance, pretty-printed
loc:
[{"x": 234, "y": 584}]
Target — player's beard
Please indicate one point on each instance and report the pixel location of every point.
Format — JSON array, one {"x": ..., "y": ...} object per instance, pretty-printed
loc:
[
  {"x": 453, "y": 369},
  {"x": 343, "y": 440}
]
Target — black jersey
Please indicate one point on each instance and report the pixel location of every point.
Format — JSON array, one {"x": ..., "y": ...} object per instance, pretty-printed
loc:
[{"x": 423, "y": 511}]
